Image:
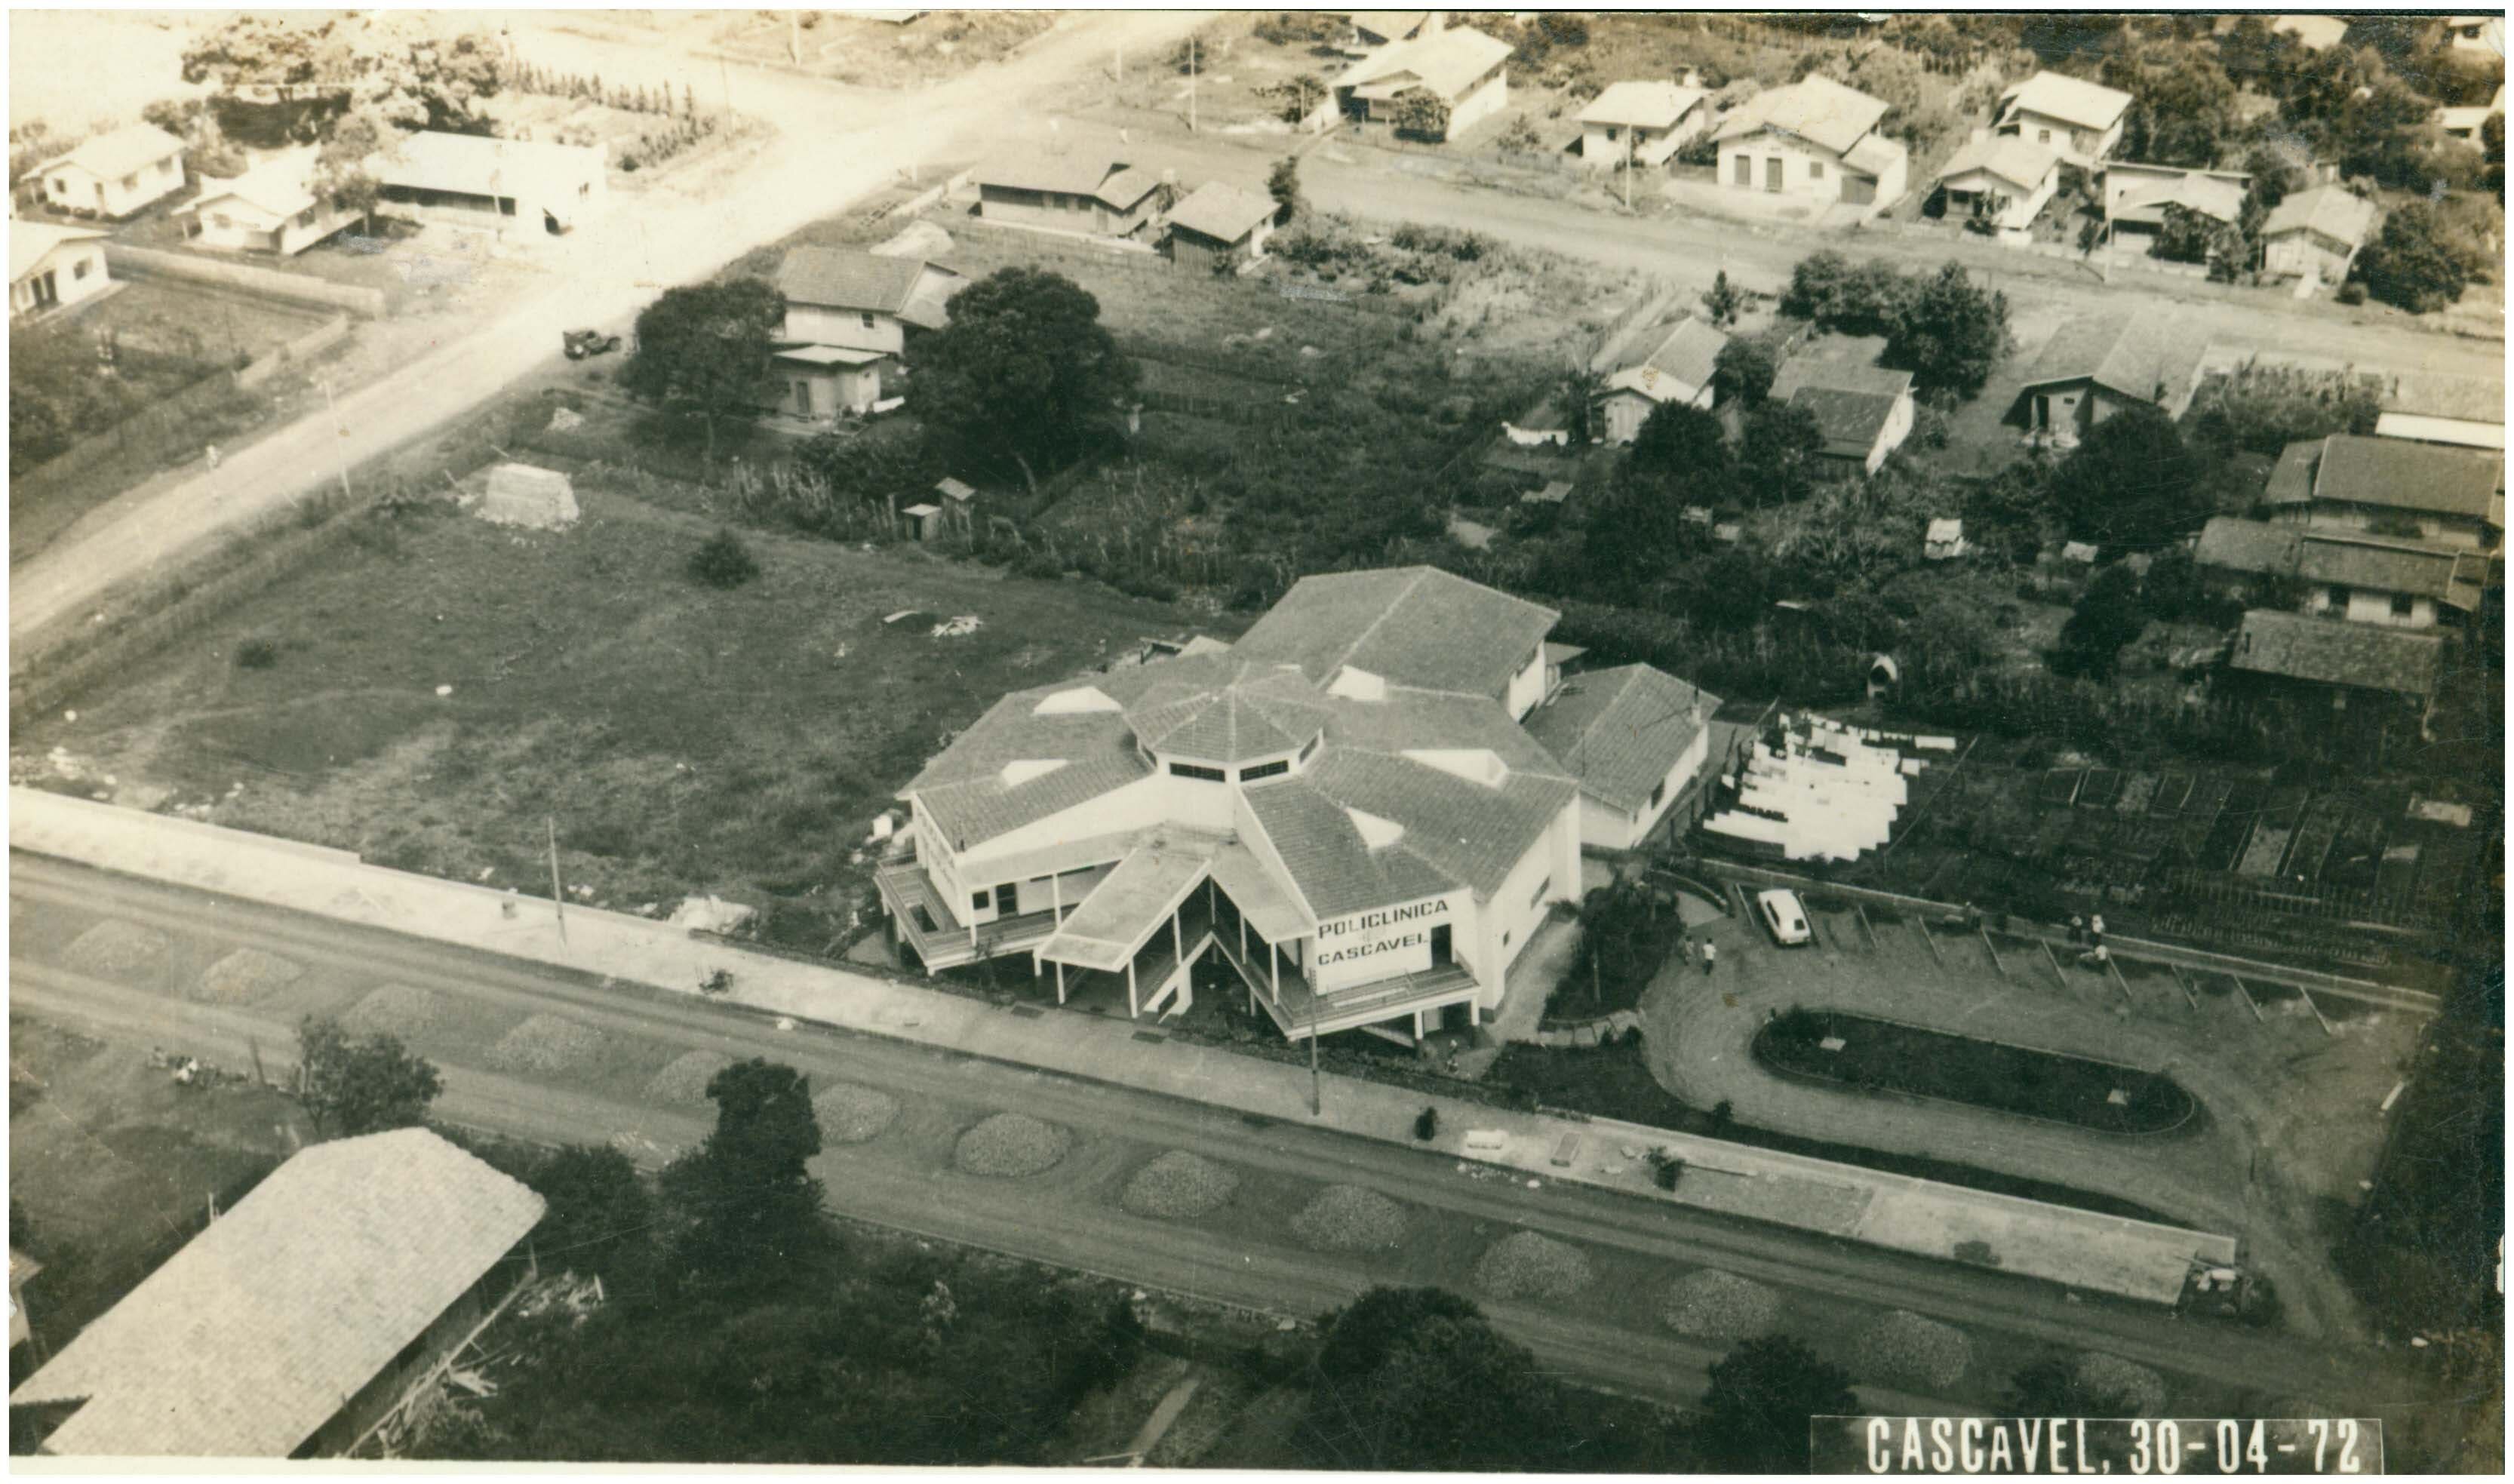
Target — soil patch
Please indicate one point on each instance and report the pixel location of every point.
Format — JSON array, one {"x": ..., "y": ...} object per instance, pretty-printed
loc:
[
  {"x": 115, "y": 947},
  {"x": 1711, "y": 1304},
  {"x": 1350, "y": 1219},
  {"x": 396, "y": 1010},
  {"x": 1179, "y": 1185},
  {"x": 1529, "y": 1264},
  {"x": 852, "y": 1113},
  {"x": 546, "y": 1043},
  {"x": 1010, "y": 1147},
  {"x": 1908, "y": 1350},
  {"x": 685, "y": 1080},
  {"x": 244, "y": 977}
]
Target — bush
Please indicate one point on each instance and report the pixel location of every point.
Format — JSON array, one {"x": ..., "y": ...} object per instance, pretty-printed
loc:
[
  {"x": 1427, "y": 1124},
  {"x": 256, "y": 653},
  {"x": 2352, "y": 293},
  {"x": 723, "y": 562}
]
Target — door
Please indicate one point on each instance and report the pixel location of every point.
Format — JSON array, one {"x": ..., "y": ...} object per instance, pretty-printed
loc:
[
  {"x": 1772, "y": 174},
  {"x": 2041, "y": 414},
  {"x": 1440, "y": 945},
  {"x": 1858, "y": 190},
  {"x": 47, "y": 292},
  {"x": 802, "y": 398},
  {"x": 1746, "y": 171}
]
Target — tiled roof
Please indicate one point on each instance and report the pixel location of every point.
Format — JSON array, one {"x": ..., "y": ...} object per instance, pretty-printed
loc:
[
  {"x": 2018, "y": 161},
  {"x": 2442, "y": 394},
  {"x": 1874, "y": 156},
  {"x": 2134, "y": 354},
  {"x": 847, "y": 278},
  {"x": 1621, "y": 731},
  {"x": 255, "y": 1333},
  {"x": 1468, "y": 832},
  {"x": 2411, "y": 476},
  {"x": 1415, "y": 626},
  {"x": 1850, "y": 421},
  {"x": 2247, "y": 546},
  {"x": 2292, "y": 481},
  {"x": 2070, "y": 100},
  {"x": 2380, "y": 565},
  {"x": 2329, "y": 210},
  {"x": 1334, "y": 869},
  {"x": 963, "y": 791},
  {"x": 1642, "y": 105},
  {"x": 29, "y": 241},
  {"x": 1223, "y": 212},
  {"x": 1447, "y": 63},
  {"x": 2335, "y": 652},
  {"x": 1218, "y": 726},
  {"x": 121, "y": 152},
  {"x": 1680, "y": 365},
  {"x": 1837, "y": 375},
  {"x": 1815, "y": 108}
]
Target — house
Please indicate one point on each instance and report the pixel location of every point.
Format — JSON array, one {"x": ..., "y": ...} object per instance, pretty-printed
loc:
[
  {"x": 2483, "y": 34},
  {"x": 1864, "y": 413},
  {"x": 2079, "y": 120},
  {"x": 1369, "y": 31},
  {"x": 2137, "y": 196},
  {"x": 2465, "y": 123},
  {"x": 1814, "y": 138},
  {"x": 2314, "y": 33},
  {"x": 1465, "y": 70},
  {"x": 272, "y": 208},
  {"x": 2437, "y": 407},
  {"x": 2316, "y": 232},
  {"x": 2097, "y": 364},
  {"x": 2365, "y": 579},
  {"x": 1677, "y": 371},
  {"x": 1088, "y": 193},
  {"x": 21, "y": 1271},
  {"x": 49, "y": 266},
  {"x": 294, "y": 1322},
  {"x": 114, "y": 173},
  {"x": 1636, "y": 737},
  {"x": 2430, "y": 493},
  {"x": 1220, "y": 223},
  {"x": 2002, "y": 179},
  {"x": 849, "y": 316},
  {"x": 522, "y": 187},
  {"x": 1642, "y": 123},
  {"x": 1944, "y": 541},
  {"x": 1347, "y": 808},
  {"x": 2369, "y": 681}
]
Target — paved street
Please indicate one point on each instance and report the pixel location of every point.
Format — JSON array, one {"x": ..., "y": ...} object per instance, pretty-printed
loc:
[
  {"x": 904, "y": 1178},
  {"x": 804, "y": 173}
]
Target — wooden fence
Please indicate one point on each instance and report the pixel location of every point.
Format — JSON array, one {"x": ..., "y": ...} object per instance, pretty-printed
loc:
[{"x": 129, "y": 261}]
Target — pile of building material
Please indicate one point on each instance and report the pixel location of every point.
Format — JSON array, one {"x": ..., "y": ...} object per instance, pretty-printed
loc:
[
  {"x": 521, "y": 495},
  {"x": 1814, "y": 789}
]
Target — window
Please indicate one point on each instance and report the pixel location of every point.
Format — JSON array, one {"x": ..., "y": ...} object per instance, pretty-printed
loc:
[
  {"x": 1542, "y": 888},
  {"x": 867, "y": 318},
  {"x": 306, "y": 217},
  {"x": 977, "y": 901},
  {"x": 61, "y": 186},
  {"x": 1658, "y": 794},
  {"x": 222, "y": 219},
  {"x": 506, "y": 206},
  {"x": 1815, "y": 170},
  {"x": 1264, "y": 770},
  {"x": 1311, "y": 746},
  {"x": 78, "y": 269},
  {"x": 2402, "y": 605},
  {"x": 1204, "y": 775},
  {"x": 131, "y": 182},
  {"x": 2043, "y": 136},
  {"x": 2339, "y": 596}
]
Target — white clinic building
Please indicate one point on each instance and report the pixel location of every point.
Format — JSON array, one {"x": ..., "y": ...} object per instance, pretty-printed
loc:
[{"x": 1350, "y": 806}]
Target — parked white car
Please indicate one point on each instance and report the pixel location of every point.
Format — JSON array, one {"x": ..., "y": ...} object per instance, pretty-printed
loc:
[{"x": 1785, "y": 915}]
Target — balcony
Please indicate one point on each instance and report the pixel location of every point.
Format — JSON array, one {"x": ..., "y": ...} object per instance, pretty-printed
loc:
[
  {"x": 941, "y": 940},
  {"x": 1298, "y": 1007}
]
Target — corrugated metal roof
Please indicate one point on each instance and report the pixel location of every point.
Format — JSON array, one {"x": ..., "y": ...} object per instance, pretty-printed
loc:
[
  {"x": 249, "y": 1339},
  {"x": 476, "y": 166},
  {"x": 1621, "y": 731},
  {"x": 1678, "y": 367},
  {"x": 2335, "y": 652},
  {"x": 2291, "y": 480}
]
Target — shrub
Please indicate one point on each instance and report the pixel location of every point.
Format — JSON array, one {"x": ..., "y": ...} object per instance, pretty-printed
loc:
[
  {"x": 2352, "y": 293},
  {"x": 1666, "y": 1169},
  {"x": 256, "y": 653},
  {"x": 1427, "y": 1124},
  {"x": 724, "y": 561}
]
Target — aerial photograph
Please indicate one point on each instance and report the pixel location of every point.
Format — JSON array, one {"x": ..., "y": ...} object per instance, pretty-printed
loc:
[{"x": 1602, "y": 741}]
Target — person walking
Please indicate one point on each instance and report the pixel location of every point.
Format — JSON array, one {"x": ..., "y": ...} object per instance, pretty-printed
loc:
[
  {"x": 2077, "y": 929},
  {"x": 2096, "y": 931},
  {"x": 1710, "y": 957}
]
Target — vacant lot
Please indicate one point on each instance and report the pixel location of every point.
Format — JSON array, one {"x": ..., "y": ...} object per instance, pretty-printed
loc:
[{"x": 681, "y": 738}]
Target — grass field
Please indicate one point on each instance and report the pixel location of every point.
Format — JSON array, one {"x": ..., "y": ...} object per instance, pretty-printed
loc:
[{"x": 681, "y": 738}]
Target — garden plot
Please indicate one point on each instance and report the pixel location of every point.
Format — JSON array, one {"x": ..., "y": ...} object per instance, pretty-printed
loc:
[
  {"x": 1711, "y": 1304},
  {"x": 2109, "y": 1376},
  {"x": 1351, "y": 1218},
  {"x": 1905, "y": 1350},
  {"x": 396, "y": 1010},
  {"x": 1529, "y": 1264},
  {"x": 244, "y": 977},
  {"x": 1011, "y": 1147},
  {"x": 1178, "y": 1185},
  {"x": 851, "y": 1113},
  {"x": 547, "y": 1043},
  {"x": 114, "y": 948},
  {"x": 685, "y": 1079}
]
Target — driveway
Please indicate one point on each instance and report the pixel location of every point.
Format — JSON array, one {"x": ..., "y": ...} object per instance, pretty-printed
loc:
[{"x": 833, "y": 145}]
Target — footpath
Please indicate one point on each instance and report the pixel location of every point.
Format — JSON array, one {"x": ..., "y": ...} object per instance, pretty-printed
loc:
[{"x": 2079, "y": 1249}]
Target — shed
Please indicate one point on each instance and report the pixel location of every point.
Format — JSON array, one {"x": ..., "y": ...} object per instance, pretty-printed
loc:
[
  {"x": 521, "y": 495},
  {"x": 1555, "y": 491},
  {"x": 925, "y": 520},
  {"x": 959, "y": 501},
  {"x": 1945, "y": 540}
]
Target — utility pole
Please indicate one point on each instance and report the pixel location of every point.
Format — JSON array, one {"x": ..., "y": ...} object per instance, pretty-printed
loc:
[
  {"x": 558, "y": 895},
  {"x": 331, "y": 414},
  {"x": 1628, "y": 172},
  {"x": 1191, "y": 83},
  {"x": 1318, "y": 1102}
]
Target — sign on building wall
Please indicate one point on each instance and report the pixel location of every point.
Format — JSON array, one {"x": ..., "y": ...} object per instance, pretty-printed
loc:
[{"x": 1380, "y": 944}]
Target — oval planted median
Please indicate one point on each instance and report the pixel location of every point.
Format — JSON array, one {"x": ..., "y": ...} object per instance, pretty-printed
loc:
[{"x": 1871, "y": 1055}]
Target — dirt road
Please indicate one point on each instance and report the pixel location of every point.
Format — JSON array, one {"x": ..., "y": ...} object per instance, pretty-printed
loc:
[{"x": 833, "y": 145}]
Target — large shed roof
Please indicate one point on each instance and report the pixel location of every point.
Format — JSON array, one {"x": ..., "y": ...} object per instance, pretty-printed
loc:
[{"x": 2366, "y": 657}]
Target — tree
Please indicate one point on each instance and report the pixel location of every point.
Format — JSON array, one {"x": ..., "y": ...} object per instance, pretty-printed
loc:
[
  {"x": 1300, "y": 94},
  {"x": 1419, "y": 113},
  {"x": 1683, "y": 443},
  {"x": 342, "y": 173},
  {"x": 596, "y": 1215},
  {"x": 1417, "y": 1378},
  {"x": 1762, "y": 1393},
  {"x": 1722, "y": 301},
  {"x": 1283, "y": 183},
  {"x": 2184, "y": 109},
  {"x": 722, "y": 561},
  {"x": 2108, "y": 617},
  {"x": 1834, "y": 294},
  {"x": 306, "y": 68},
  {"x": 1949, "y": 334},
  {"x": 703, "y": 350},
  {"x": 353, "y": 1085},
  {"x": 2409, "y": 265},
  {"x": 2130, "y": 482},
  {"x": 1025, "y": 370},
  {"x": 1744, "y": 370},
  {"x": 1776, "y": 457},
  {"x": 746, "y": 1200},
  {"x": 2189, "y": 236},
  {"x": 2050, "y": 1386}
]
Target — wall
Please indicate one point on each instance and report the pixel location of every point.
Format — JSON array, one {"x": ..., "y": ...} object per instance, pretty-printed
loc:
[
  {"x": 1605, "y": 827},
  {"x": 1800, "y": 162},
  {"x": 1527, "y": 686},
  {"x": 2299, "y": 253},
  {"x": 2342, "y": 515},
  {"x": 2365, "y": 606},
  {"x": 1365, "y": 947},
  {"x": 1481, "y": 102},
  {"x": 845, "y": 328},
  {"x": 296, "y": 287},
  {"x": 71, "y": 185},
  {"x": 66, "y": 264}
]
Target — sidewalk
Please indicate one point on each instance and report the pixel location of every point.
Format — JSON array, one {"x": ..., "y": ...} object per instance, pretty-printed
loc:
[{"x": 2079, "y": 1249}]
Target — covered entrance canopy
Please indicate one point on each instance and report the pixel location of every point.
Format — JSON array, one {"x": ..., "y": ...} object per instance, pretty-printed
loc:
[{"x": 1124, "y": 911}]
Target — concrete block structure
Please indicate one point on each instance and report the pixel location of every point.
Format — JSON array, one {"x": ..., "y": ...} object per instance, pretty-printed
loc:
[{"x": 1814, "y": 138}]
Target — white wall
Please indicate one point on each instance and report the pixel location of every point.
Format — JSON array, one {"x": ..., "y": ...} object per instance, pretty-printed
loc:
[
  {"x": 78, "y": 272},
  {"x": 845, "y": 328},
  {"x": 1383, "y": 942},
  {"x": 1606, "y": 828},
  {"x": 1806, "y": 170},
  {"x": 2366, "y": 607},
  {"x": 2079, "y": 146},
  {"x": 72, "y": 185},
  {"x": 1527, "y": 686},
  {"x": 1898, "y": 427},
  {"x": 1481, "y": 102}
]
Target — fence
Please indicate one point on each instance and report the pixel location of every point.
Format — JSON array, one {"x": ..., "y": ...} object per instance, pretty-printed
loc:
[
  {"x": 307, "y": 347},
  {"x": 296, "y": 287},
  {"x": 170, "y": 428}
]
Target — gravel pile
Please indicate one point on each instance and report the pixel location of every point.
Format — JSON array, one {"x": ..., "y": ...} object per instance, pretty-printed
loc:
[
  {"x": 396, "y": 1010},
  {"x": 1529, "y": 1264},
  {"x": 1010, "y": 1145},
  {"x": 546, "y": 1043},
  {"x": 1179, "y": 1185},
  {"x": 1905, "y": 1349},
  {"x": 852, "y": 1113},
  {"x": 115, "y": 947},
  {"x": 1711, "y": 1304},
  {"x": 2105, "y": 1375},
  {"x": 685, "y": 1079},
  {"x": 1350, "y": 1219},
  {"x": 244, "y": 977}
]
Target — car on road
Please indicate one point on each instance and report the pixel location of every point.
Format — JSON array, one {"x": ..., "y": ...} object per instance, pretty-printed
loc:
[
  {"x": 1784, "y": 917},
  {"x": 580, "y": 344}
]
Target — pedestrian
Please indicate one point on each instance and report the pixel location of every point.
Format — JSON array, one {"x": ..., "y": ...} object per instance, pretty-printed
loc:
[
  {"x": 213, "y": 456},
  {"x": 1685, "y": 940},
  {"x": 1710, "y": 957},
  {"x": 2077, "y": 929},
  {"x": 2096, "y": 931}
]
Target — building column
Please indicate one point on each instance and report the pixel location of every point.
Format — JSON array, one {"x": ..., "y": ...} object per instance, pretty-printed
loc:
[
  {"x": 1060, "y": 981},
  {"x": 1274, "y": 966},
  {"x": 1244, "y": 934},
  {"x": 1178, "y": 940},
  {"x": 1056, "y": 897},
  {"x": 1133, "y": 1009}
]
